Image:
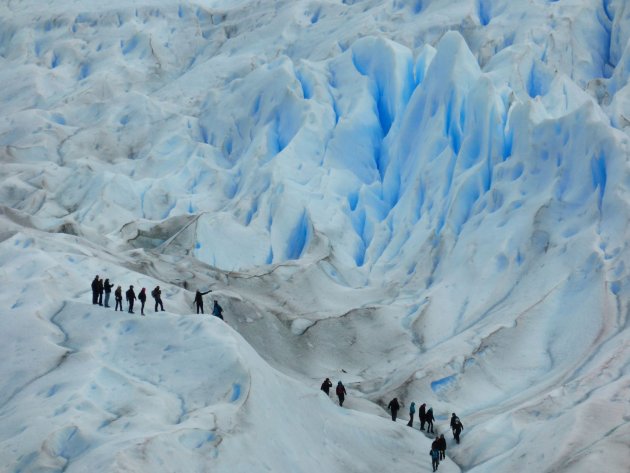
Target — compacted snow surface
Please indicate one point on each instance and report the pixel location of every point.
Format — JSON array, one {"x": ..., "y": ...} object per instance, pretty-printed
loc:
[{"x": 424, "y": 199}]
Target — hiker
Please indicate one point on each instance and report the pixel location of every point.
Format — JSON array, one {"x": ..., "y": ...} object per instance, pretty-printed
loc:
[
  {"x": 100, "y": 291},
  {"x": 341, "y": 392},
  {"x": 131, "y": 297},
  {"x": 430, "y": 419},
  {"x": 118, "y": 297},
  {"x": 393, "y": 406},
  {"x": 422, "y": 415},
  {"x": 456, "y": 426},
  {"x": 157, "y": 295},
  {"x": 435, "y": 456},
  {"x": 95, "y": 290},
  {"x": 412, "y": 411},
  {"x": 326, "y": 385},
  {"x": 107, "y": 286},
  {"x": 199, "y": 300},
  {"x": 142, "y": 297},
  {"x": 217, "y": 310},
  {"x": 442, "y": 447}
]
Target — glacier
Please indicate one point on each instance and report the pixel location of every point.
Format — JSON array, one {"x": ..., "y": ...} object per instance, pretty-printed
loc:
[{"x": 425, "y": 199}]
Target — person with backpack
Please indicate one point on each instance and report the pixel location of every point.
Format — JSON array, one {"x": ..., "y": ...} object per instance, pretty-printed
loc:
[
  {"x": 142, "y": 297},
  {"x": 430, "y": 419},
  {"x": 412, "y": 411},
  {"x": 393, "y": 406},
  {"x": 217, "y": 310},
  {"x": 441, "y": 445},
  {"x": 131, "y": 297},
  {"x": 199, "y": 300},
  {"x": 435, "y": 456},
  {"x": 326, "y": 385},
  {"x": 118, "y": 297},
  {"x": 341, "y": 392},
  {"x": 107, "y": 287},
  {"x": 422, "y": 415},
  {"x": 157, "y": 295},
  {"x": 456, "y": 426}
]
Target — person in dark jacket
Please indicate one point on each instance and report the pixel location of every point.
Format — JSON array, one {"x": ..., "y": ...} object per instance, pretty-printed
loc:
[
  {"x": 157, "y": 295},
  {"x": 326, "y": 385},
  {"x": 118, "y": 297},
  {"x": 422, "y": 415},
  {"x": 412, "y": 411},
  {"x": 217, "y": 310},
  {"x": 199, "y": 300},
  {"x": 441, "y": 445},
  {"x": 430, "y": 419},
  {"x": 100, "y": 291},
  {"x": 341, "y": 392},
  {"x": 456, "y": 426},
  {"x": 142, "y": 297},
  {"x": 95, "y": 290},
  {"x": 131, "y": 297},
  {"x": 393, "y": 406},
  {"x": 107, "y": 287}
]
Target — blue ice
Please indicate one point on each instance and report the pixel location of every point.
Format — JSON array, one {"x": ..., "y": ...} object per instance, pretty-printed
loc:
[
  {"x": 236, "y": 392},
  {"x": 442, "y": 383}
]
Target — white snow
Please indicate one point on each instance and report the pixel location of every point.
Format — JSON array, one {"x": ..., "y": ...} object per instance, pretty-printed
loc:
[{"x": 425, "y": 199}]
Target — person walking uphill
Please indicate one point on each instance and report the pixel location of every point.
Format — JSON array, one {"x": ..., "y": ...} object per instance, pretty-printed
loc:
[
  {"x": 131, "y": 297},
  {"x": 430, "y": 420},
  {"x": 422, "y": 415},
  {"x": 157, "y": 295},
  {"x": 142, "y": 297},
  {"x": 393, "y": 406},
  {"x": 412, "y": 411},
  {"x": 118, "y": 297},
  {"x": 217, "y": 310},
  {"x": 441, "y": 445},
  {"x": 456, "y": 426},
  {"x": 435, "y": 456},
  {"x": 326, "y": 385},
  {"x": 341, "y": 392},
  {"x": 199, "y": 300}
]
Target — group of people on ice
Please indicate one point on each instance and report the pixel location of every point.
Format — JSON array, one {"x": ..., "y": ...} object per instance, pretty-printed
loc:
[
  {"x": 104, "y": 288},
  {"x": 438, "y": 447}
]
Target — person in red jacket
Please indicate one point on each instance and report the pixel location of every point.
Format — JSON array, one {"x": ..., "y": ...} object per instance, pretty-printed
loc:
[{"x": 341, "y": 392}]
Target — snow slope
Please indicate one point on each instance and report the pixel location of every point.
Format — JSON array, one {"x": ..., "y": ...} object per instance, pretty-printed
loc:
[{"x": 425, "y": 199}]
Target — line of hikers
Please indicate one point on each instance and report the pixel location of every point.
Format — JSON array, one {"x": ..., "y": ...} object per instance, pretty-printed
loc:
[
  {"x": 438, "y": 447},
  {"x": 102, "y": 288}
]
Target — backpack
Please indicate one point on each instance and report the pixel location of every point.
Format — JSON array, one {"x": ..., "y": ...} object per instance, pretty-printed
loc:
[{"x": 154, "y": 293}]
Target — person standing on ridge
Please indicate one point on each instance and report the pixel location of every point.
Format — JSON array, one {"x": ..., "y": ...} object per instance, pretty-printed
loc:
[
  {"x": 131, "y": 297},
  {"x": 157, "y": 295},
  {"x": 217, "y": 310},
  {"x": 100, "y": 291},
  {"x": 199, "y": 300},
  {"x": 107, "y": 287},
  {"x": 326, "y": 385},
  {"x": 430, "y": 420},
  {"x": 412, "y": 411},
  {"x": 456, "y": 426},
  {"x": 442, "y": 447},
  {"x": 393, "y": 406},
  {"x": 142, "y": 297},
  {"x": 422, "y": 415},
  {"x": 118, "y": 297},
  {"x": 341, "y": 392},
  {"x": 95, "y": 290}
]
